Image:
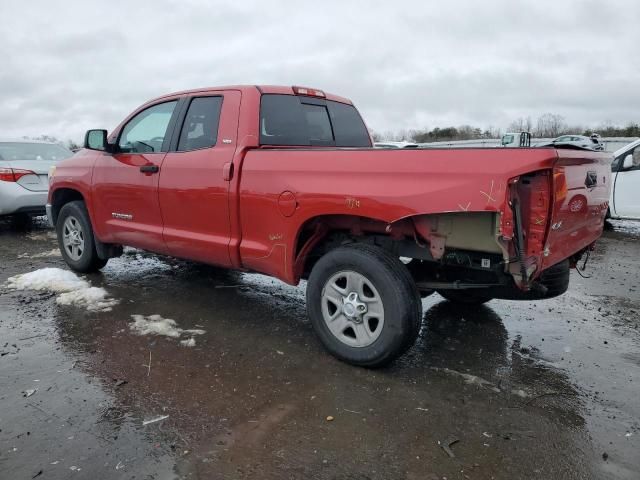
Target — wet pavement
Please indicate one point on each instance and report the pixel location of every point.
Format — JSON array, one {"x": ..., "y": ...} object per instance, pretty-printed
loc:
[{"x": 510, "y": 390}]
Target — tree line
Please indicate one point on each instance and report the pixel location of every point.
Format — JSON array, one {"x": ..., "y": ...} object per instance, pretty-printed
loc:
[{"x": 548, "y": 125}]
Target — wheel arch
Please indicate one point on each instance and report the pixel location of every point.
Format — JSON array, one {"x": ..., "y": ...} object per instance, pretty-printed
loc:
[
  {"x": 428, "y": 234},
  {"x": 60, "y": 197},
  {"x": 316, "y": 233}
]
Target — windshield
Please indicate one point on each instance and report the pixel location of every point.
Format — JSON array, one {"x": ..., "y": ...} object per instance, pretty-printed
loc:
[{"x": 16, "y": 151}]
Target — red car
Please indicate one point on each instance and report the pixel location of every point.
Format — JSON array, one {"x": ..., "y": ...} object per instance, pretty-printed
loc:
[{"x": 284, "y": 181}]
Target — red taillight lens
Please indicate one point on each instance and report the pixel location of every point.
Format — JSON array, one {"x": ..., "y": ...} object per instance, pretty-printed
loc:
[
  {"x": 309, "y": 92},
  {"x": 13, "y": 174}
]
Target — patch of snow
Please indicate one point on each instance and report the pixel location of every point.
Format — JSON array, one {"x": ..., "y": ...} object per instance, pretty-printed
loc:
[
  {"x": 72, "y": 289},
  {"x": 156, "y": 325},
  {"x": 42, "y": 236},
  {"x": 94, "y": 299},
  {"x": 55, "y": 252},
  {"x": 51, "y": 253},
  {"x": 188, "y": 343},
  {"x": 154, "y": 420},
  {"x": 631, "y": 227},
  {"x": 49, "y": 279},
  {"x": 520, "y": 393},
  {"x": 470, "y": 379}
]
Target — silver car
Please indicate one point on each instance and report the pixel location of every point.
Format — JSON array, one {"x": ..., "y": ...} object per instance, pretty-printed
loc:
[
  {"x": 592, "y": 143},
  {"x": 24, "y": 166}
]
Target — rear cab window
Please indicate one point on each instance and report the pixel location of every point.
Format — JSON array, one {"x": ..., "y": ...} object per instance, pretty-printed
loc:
[{"x": 294, "y": 120}]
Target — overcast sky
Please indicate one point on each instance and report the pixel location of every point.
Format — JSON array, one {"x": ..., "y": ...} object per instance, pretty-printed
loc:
[{"x": 78, "y": 64}]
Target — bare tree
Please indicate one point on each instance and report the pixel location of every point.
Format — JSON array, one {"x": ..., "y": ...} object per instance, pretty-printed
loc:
[
  {"x": 521, "y": 125},
  {"x": 550, "y": 125}
]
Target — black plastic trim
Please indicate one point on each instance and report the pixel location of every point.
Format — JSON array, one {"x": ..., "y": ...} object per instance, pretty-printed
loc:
[{"x": 176, "y": 120}]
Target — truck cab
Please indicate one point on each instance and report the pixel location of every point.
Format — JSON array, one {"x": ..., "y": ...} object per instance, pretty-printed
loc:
[{"x": 516, "y": 139}]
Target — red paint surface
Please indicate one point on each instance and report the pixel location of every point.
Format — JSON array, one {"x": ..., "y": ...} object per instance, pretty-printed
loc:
[{"x": 190, "y": 210}]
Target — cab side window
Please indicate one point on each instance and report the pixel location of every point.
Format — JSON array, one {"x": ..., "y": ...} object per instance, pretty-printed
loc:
[
  {"x": 200, "y": 126},
  {"x": 145, "y": 133}
]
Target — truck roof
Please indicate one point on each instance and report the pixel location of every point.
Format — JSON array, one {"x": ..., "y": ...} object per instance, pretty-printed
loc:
[{"x": 272, "y": 89}]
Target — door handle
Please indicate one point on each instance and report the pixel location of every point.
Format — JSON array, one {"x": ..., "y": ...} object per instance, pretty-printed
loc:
[
  {"x": 227, "y": 171},
  {"x": 149, "y": 169}
]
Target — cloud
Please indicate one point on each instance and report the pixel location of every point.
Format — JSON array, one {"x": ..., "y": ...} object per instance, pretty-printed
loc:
[{"x": 406, "y": 64}]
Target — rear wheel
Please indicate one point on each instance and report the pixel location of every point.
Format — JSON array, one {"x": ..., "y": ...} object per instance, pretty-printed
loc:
[
  {"x": 363, "y": 305},
  {"x": 466, "y": 297},
  {"x": 76, "y": 239}
]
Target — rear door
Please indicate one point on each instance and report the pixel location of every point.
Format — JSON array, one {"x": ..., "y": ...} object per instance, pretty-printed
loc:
[
  {"x": 125, "y": 183},
  {"x": 194, "y": 181},
  {"x": 626, "y": 191}
]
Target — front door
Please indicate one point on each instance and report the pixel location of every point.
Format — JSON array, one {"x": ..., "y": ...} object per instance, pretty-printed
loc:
[
  {"x": 194, "y": 186},
  {"x": 626, "y": 194},
  {"x": 125, "y": 183}
]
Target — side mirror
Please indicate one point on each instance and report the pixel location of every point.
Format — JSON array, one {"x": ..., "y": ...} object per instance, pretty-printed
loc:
[
  {"x": 628, "y": 161},
  {"x": 96, "y": 140}
]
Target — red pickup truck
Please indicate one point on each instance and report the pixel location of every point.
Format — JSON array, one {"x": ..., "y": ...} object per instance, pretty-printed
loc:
[{"x": 284, "y": 181}]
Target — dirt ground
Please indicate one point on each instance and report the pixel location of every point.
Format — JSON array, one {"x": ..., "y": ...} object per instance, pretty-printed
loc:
[{"x": 510, "y": 390}]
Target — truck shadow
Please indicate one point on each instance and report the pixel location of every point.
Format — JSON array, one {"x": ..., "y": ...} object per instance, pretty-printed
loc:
[
  {"x": 473, "y": 344},
  {"x": 10, "y": 225}
]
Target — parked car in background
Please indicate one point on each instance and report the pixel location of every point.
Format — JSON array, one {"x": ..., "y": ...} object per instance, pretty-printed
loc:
[
  {"x": 395, "y": 145},
  {"x": 24, "y": 166},
  {"x": 625, "y": 192},
  {"x": 582, "y": 141}
]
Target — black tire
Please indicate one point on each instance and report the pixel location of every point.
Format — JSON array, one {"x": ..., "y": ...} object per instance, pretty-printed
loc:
[
  {"x": 556, "y": 279},
  {"x": 398, "y": 294},
  {"x": 466, "y": 297},
  {"x": 88, "y": 261}
]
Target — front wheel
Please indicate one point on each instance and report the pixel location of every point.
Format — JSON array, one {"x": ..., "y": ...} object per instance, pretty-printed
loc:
[
  {"x": 364, "y": 305},
  {"x": 76, "y": 240}
]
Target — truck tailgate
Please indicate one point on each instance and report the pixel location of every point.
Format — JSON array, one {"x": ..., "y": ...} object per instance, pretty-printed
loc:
[{"x": 582, "y": 183}]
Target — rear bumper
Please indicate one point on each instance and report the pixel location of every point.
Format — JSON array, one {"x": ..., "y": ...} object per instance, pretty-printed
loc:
[{"x": 17, "y": 199}]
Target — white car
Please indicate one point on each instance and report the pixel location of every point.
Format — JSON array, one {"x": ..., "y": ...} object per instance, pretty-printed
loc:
[
  {"x": 625, "y": 192},
  {"x": 582, "y": 141},
  {"x": 24, "y": 166}
]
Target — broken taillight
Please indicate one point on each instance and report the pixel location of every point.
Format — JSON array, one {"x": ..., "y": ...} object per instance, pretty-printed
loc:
[
  {"x": 561, "y": 190},
  {"x": 13, "y": 174}
]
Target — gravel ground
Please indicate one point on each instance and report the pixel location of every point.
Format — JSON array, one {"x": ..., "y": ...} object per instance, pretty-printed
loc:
[{"x": 244, "y": 390}]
